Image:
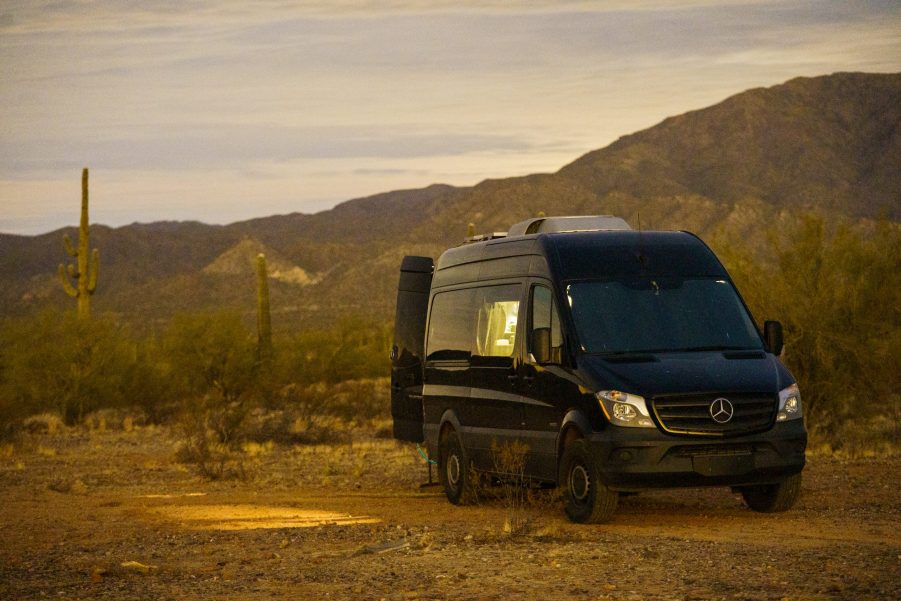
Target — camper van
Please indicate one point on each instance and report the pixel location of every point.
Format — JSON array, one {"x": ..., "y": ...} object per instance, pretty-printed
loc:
[{"x": 620, "y": 360}]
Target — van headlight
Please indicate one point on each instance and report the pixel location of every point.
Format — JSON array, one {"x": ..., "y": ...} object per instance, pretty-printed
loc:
[
  {"x": 789, "y": 404},
  {"x": 624, "y": 409}
]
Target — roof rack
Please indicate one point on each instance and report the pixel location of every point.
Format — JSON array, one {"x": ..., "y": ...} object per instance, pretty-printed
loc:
[
  {"x": 579, "y": 223},
  {"x": 549, "y": 225},
  {"x": 484, "y": 237}
]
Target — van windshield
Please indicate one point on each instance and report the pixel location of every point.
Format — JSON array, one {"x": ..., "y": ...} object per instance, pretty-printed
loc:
[{"x": 659, "y": 315}]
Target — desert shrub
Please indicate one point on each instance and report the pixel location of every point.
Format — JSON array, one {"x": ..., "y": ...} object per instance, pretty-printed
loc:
[
  {"x": 211, "y": 363},
  {"x": 149, "y": 385},
  {"x": 322, "y": 413},
  {"x": 509, "y": 461},
  {"x": 290, "y": 427},
  {"x": 55, "y": 362},
  {"x": 354, "y": 400},
  {"x": 211, "y": 354},
  {"x": 202, "y": 446},
  {"x": 123, "y": 419},
  {"x": 353, "y": 349},
  {"x": 865, "y": 436},
  {"x": 837, "y": 291},
  {"x": 43, "y": 423}
]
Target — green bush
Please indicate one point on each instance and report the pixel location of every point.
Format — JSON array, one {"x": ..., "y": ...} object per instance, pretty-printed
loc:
[
  {"x": 353, "y": 349},
  {"x": 210, "y": 354},
  {"x": 55, "y": 362},
  {"x": 211, "y": 362},
  {"x": 837, "y": 291}
]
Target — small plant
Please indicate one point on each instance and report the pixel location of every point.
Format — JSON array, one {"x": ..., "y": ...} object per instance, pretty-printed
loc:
[
  {"x": 44, "y": 423},
  {"x": 202, "y": 446},
  {"x": 510, "y": 465}
]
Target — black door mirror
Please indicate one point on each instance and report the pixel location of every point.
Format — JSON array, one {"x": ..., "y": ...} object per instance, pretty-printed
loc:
[
  {"x": 541, "y": 344},
  {"x": 772, "y": 335}
]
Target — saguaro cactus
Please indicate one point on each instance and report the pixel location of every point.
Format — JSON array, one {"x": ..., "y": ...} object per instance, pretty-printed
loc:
[
  {"x": 84, "y": 275},
  {"x": 264, "y": 323}
]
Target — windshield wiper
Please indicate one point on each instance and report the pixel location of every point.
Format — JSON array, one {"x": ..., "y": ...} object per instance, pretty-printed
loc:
[
  {"x": 697, "y": 349},
  {"x": 658, "y": 351}
]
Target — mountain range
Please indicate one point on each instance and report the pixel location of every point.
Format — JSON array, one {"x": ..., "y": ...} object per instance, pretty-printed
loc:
[{"x": 831, "y": 144}]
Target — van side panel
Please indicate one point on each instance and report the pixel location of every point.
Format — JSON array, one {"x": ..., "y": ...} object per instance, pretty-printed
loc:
[
  {"x": 505, "y": 363},
  {"x": 407, "y": 350}
]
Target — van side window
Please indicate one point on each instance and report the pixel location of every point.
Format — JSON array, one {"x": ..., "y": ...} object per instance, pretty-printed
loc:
[
  {"x": 498, "y": 311},
  {"x": 473, "y": 321},
  {"x": 451, "y": 325},
  {"x": 544, "y": 315}
]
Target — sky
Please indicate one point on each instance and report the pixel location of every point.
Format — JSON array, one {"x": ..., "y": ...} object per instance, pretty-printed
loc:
[{"x": 224, "y": 111}]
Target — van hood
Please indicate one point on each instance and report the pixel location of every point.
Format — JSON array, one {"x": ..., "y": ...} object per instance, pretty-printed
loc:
[{"x": 674, "y": 373}]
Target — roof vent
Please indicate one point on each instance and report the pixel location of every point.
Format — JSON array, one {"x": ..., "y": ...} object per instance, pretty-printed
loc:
[{"x": 581, "y": 223}]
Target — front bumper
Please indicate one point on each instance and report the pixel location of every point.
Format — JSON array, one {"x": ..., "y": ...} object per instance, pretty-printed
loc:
[{"x": 637, "y": 458}]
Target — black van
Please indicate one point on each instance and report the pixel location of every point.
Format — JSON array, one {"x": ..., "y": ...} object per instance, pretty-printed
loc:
[{"x": 624, "y": 360}]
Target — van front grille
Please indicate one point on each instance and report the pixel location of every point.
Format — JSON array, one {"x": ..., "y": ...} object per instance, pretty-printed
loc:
[{"x": 691, "y": 413}]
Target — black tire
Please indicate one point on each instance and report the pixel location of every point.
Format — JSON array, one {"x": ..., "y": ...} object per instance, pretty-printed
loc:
[
  {"x": 454, "y": 469},
  {"x": 773, "y": 498},
  {"x": 586, "y": 499}
]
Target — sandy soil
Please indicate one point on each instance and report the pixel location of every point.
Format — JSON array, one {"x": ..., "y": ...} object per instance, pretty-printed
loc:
[{"x": 110, "y": 515}]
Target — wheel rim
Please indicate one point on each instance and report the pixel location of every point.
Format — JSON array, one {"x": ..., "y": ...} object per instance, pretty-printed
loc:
[
  {"x": 453, "y": 470},
  {"x": 579, "y": 483}
]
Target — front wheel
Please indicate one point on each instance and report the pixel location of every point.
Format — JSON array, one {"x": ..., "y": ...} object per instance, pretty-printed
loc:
[
  {"x": 454, "y": 469},
  {"x": 585, "y": 497},
  {"x": 773, "y": 498}
]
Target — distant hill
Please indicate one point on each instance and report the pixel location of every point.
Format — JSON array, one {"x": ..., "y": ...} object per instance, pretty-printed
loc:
[
  {"x": 828, "y": 143},
  {"x": 240, "y": 260}
]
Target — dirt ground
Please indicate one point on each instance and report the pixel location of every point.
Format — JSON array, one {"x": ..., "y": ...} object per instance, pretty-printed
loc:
[{"x": 110, "y": 515}]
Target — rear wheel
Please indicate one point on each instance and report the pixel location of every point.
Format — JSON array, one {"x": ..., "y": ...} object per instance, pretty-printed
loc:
[
  {"x": 454, "y": 469},
  {"x": 773, "y": 498},
  {"x": 586, "y": 499}
]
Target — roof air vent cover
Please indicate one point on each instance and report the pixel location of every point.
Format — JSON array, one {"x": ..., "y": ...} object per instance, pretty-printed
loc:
[{"x": 582, "y": 223}]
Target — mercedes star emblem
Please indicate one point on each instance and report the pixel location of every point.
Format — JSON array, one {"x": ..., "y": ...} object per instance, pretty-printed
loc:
[{"x": 721, "y": 410}]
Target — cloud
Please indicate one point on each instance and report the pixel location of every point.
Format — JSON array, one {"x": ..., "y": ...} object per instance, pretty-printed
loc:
[
  {"x": 66, "y": 16},
  {"x": 872, "y": 45},
  {"x": 302, "y": 104},
  {"x": 235, "y": 146}
]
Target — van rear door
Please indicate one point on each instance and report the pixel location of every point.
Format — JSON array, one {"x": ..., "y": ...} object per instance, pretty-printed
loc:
[{"x": 407, "y": 350}]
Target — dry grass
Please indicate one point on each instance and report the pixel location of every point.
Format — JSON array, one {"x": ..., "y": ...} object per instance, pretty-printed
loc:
[
  {"x": 509, "y": 461},
  {"x": 878, "y": 436},
  {"x": 44, "y": 423}
]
